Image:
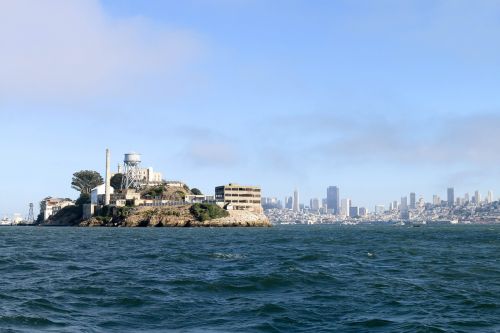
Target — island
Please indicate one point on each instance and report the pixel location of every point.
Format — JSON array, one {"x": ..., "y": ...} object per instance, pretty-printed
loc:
[{"x": 139, "y": 197}]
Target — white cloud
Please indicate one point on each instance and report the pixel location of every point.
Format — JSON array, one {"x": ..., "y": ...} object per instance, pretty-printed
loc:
[{"x": 55, "y": 49}]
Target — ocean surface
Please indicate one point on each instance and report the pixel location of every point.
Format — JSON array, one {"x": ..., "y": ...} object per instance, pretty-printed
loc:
[{"x": 280, "y": 279}]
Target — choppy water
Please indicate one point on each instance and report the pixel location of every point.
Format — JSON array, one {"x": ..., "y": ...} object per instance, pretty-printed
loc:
[{"x": 283, "y": 279}]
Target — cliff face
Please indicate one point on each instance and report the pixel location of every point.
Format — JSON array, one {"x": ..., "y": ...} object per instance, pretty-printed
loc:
[{"x": 176, "y": 216}]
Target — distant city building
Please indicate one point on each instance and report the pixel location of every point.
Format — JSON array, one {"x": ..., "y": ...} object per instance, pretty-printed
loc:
[
  {"x": 362, "y": 211},
  {"x": 477, "y": 198},
  {"x": 296, "y": 203},
  {"x": 50, "y": 206},
  {"x": 379, "y": 209},
  {"x": 324, "y": 204},
  {"x": 271, "y": 203},
  {"x": 466, "y": 198},
  {"x": 353, "y": 211},
  {"x": 239, "y": 197},
  {"x": 490, "y": 197},
  {"x": 333, "y": 199},
  {"x": 413, "y": 201},
  {"x": 344, "y": 207},
  {"x": 404, "y": 204},
  {"x": 314, "y": 204},
  {"x": 404, "y": 208},
  {"x": 436, "y": 200},
  {"x": 288, "y": 202},
  {"x": 451, "y": 196},
  {"x": 421, "y": 202}
]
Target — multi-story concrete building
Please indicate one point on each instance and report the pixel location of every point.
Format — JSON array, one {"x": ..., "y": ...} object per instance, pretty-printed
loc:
[
  {"x": 50, "y": 206},
  {"x": 239, "y": 197}
]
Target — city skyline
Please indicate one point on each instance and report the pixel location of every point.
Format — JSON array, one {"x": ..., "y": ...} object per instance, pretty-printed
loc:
[{"x": 380, "y": 99}]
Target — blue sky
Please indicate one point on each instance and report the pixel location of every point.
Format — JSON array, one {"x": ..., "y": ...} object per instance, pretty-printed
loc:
[{"x": 378, "y": 97}]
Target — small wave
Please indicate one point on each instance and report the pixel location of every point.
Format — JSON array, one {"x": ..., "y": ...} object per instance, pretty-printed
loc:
[
  {"x": 28, "y": 321},
  {"x": 228, "y": 256},
  {"x": 372, "y": 323}
]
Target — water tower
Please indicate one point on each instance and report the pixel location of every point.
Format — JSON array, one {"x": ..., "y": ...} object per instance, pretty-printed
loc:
[{"x": 131, "y": 172}]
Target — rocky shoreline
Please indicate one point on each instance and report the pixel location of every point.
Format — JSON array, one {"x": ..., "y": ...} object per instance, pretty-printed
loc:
[{"x": 175, "y": 216}]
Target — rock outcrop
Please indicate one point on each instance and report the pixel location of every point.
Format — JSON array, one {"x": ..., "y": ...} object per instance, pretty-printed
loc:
[{"x": 172, "y": 216}]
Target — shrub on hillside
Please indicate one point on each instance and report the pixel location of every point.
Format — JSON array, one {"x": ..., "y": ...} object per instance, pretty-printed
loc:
[{"x": 203, "y": 212}]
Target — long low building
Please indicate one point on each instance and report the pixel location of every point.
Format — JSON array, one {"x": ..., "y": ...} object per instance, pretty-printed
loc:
[{"x": 239, "y": 197}]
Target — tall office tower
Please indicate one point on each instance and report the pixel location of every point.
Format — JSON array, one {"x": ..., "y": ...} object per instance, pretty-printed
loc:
[
  {"x": 344, "y": 207},
  {"x": 451, "y": 196},
  {"x": 477, "y": 197},
  {"x": 315, "y": 204},
  {"x": 490, "y": 197},
  {"x": 395, "y": 205},
  {"x": 296, "y": 204},
  {"x": 405, "y": 213},
  {"x": 333, "y": 199},
  {"x": 404, "y": 204},
  {"x": 413, "y": 201},
  {"x": 379, "y": 209},
  {"x": 466, "y": 198},
  {"x": 288, "y": 202}
]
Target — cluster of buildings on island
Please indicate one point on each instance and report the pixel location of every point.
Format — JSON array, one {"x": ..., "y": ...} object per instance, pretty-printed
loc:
[
  {"x": 134, "y": 178},
  {"x": 333, "y": 209}
]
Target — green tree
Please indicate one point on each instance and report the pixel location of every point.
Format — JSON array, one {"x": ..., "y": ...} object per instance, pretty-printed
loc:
[
  {"x": 85, "y": 180},
  {"x": 83, "y": 199},
  {"x": 196, "y": 191},
  {"x": 116, "y": 181}
]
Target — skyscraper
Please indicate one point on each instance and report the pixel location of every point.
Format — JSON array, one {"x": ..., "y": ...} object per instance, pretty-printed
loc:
[
  {"x": 490, "y": 197},
  {"x": 404, "y": 208},
  {"x": 344, "y": 207},
  {"x": 413, "y": 201},
  {"x": 296, "y": 204},
  {"x": 451, "y": 196},
  {"x": 314, "y": 204},
  {"x": 477, "y": 198},
  {"x": 333, "y": 199}
]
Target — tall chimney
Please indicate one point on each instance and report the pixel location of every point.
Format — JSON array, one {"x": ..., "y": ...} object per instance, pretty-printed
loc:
[{"x": 107, "y": 195}]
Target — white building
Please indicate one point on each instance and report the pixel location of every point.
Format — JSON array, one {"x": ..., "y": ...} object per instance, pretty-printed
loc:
[
  {"x": 490, "y": 197},
  {"x": 97, "y": 194},
  {"x": 147, "y": 175},
  {"x": 50, "y": 206},
  {"x": 345, "y": 205}
]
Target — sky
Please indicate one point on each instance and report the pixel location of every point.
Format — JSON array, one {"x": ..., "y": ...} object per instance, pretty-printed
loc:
[{"x": 380, "y": 98}]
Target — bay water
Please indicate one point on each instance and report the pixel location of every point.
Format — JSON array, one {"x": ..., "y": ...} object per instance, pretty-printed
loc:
[{"x": 318, "y": 278}]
